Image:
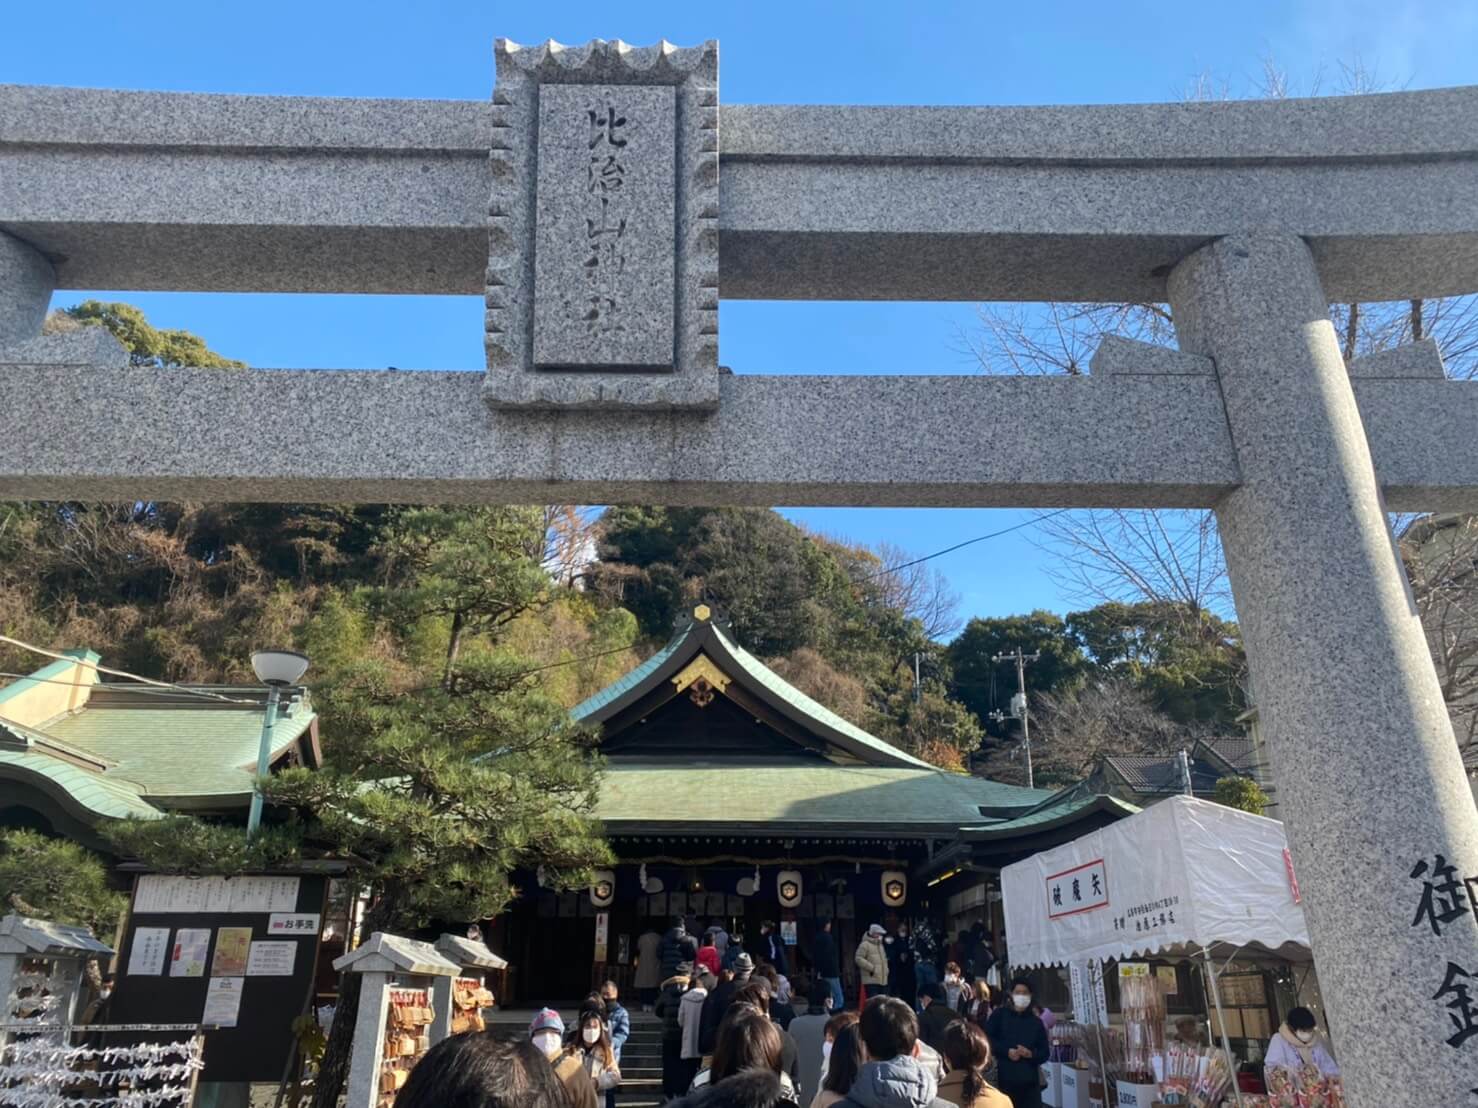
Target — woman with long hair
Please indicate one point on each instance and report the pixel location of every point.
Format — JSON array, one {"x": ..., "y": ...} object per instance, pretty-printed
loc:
[
  {"x": 749, "y": 1044},
  {"x": 479, "y": 1071},
  {"x": 977, "y": 1007},
  {"x": 967, "y": 1051},
  {"x": 592, "y": 1042},
  {"x": 844, "y": 1060},
  {"x": 833, "y": 1029}
]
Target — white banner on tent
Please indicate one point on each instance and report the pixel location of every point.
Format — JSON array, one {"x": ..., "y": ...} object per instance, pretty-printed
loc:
[{"x": 1183, "y": 873}]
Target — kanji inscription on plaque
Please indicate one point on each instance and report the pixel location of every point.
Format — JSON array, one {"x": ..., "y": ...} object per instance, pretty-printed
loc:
[{"x": 605, "y": 237}]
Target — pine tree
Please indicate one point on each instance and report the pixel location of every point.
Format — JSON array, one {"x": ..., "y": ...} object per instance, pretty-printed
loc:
[
  {"x": 57, "y": 880},
  {"x": 448, "y": 767}
]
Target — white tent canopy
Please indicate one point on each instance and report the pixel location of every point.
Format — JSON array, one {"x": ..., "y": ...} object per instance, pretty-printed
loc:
[{"x": 1180, "y": 877}]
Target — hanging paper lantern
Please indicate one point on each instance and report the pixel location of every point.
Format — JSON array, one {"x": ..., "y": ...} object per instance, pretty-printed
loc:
[
  {"x": 603, "y": 888},
  {"x": 788, "y": 887},
  {"x": 649, "y": 885},
  {"x": 895, "y": 888},
  {"x": 748, "y": 886}
]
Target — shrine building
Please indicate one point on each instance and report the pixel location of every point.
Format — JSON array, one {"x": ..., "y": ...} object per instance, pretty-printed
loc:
[{"x": 729, "y": 796}]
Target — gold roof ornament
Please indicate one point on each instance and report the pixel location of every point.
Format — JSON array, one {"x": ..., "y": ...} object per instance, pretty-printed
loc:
[
  {"x": 702, "y": 678},
  {"x": 702, "y": 613}
]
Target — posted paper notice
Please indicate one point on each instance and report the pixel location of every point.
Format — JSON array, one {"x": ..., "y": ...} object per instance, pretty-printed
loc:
[
  {"x": 269, "y": 959},
  {"x": 233, "y": 944},
  {"x": 150, "y": 945},
  {"x": 222, "y": 1002},
  {"x": 191, "y": 944}
]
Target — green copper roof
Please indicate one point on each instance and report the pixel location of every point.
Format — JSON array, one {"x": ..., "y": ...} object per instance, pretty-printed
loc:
[
  {"x": 178, "y": 752},
  {"x": 815, "y": 797},
  {"x": 744, "y": 667},
  {"x": 129, "y": 752},
  {"x": 92, "y": 795},
  {"x": 630, "y": 680},
  {"x": 1061, "y": 807},
  {"x": 767, "y": 677}
]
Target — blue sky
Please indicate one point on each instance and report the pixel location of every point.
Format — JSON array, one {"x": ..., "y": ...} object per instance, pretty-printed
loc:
[{"x": 796, "y": 52}]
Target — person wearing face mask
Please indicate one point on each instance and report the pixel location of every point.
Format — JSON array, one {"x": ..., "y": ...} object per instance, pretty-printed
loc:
[
  {"x": 1019, "y": 1042},
  {"x": 547, "y": 1032},
  {"x": 1297, "y": 1044},
  {"x": 834, "y": 1027},
  {"x": 809, "y": 1033},
  {"x": 597, "y": 1057}
]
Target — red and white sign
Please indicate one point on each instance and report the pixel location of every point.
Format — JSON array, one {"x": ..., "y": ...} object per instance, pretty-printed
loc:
[
  {"x": 1080, "y": 889},
  {"x": 293, "y": 923}
]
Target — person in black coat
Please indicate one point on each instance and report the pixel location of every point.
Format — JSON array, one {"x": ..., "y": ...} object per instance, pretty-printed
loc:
[
  {"x": 827, "y": 962},
  {"x": 981, "y": 955},
  {"x": 901, "y": 981},
  {"x": 716, "y": 1003},
  {"x": 772, "y": 947},
  {"x": 1020, "y": 1045},
  {"x": 675, "y": 1074},
  {"x": 677, "y": 947},
  {"x": 936, "y": 1016}
]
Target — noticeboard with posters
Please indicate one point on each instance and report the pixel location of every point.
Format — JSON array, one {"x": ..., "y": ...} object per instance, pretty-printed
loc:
[{"x": 226, "y": 958}]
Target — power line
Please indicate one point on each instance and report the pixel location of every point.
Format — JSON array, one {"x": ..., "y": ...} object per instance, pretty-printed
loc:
[
  {"x": 120, "y": 672},
  {"x": 961, "y": 545},
  {"x": 856, "y": 580},
  {"x": 164, "y": 694}
]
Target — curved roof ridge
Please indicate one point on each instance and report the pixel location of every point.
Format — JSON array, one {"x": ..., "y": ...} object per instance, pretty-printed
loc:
[{"x": 812, "y": 707}]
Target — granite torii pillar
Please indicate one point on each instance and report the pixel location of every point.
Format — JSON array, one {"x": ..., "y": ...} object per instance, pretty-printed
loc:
[{"x": 1370, "y": 783}]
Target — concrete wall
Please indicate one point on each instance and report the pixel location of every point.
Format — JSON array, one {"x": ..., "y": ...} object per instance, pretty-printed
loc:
[{"x": 53, "y": 690}]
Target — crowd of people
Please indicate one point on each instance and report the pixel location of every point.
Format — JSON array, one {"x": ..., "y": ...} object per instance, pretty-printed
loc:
[
  {"x": 923, "y": 1034},
  {"x": 869, "y": 1059},
  {"x": 733, "y": 1037}
]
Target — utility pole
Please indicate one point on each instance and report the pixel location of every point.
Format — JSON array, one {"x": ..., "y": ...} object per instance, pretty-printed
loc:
[{"x": 1018, "y": 704}]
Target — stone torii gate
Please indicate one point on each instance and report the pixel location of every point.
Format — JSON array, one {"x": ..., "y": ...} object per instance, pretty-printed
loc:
[{"x": 602, "y": 202}]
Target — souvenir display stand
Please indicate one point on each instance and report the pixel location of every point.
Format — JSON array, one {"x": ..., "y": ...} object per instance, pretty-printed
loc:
[
  {"x": 41, "y": 968},
  {"x": 396, "y": 1011},
  {"x": 459, "y": 1001},
  {"x": 1185, "y": 878}
]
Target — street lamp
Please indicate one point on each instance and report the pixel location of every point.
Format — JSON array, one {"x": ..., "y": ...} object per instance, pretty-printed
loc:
[{"x": 277, "y": 669}]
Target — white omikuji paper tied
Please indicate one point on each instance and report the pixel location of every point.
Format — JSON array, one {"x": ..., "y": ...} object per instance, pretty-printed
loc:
[
  {"x": 222, "y": 1002},
  {"x": 150, "y": 946},
  {"x": 271, "y": 959},
  {"x": 191, "y": 945},
  {"x": 1179, "y": 876}
]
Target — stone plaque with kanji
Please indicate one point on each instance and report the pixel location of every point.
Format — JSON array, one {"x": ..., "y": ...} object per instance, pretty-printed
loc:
[
  {"x": 602, "y": 287},
  {"x": 604, "y": 244}
]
